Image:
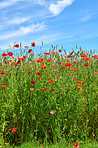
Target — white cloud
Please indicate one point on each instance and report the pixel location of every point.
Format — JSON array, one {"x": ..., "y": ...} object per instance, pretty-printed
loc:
[
  {"x": 24, "y": 30},
  {"x": 59, "y": 7},
  {"x": 7, "y": 3},
  {"x": 87, "y": 17},
  {"x": 18, "y": 20}
]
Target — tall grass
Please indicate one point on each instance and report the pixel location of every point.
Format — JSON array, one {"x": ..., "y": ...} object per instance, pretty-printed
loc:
[{"x": 33, "y": 87}]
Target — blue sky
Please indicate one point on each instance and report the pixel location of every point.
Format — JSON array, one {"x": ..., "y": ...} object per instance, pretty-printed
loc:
[{"x": 57, "y": 22}]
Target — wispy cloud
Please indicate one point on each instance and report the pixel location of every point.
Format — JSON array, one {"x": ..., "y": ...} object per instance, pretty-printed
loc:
[
  {"x": 24, "y": 30},
  {"x": 87, "y": 17},
  {"x": 17, "y": 20},
  {"x": 59, "y": 7},
  {"x": 7, "y": 3}
]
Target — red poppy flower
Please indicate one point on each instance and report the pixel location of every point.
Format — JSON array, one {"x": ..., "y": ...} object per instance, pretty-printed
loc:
[
  {"x": 30, "y": 50},
  {"x": 10, "y": 53},
  {"x": 79, "y": 86},
  {"x": 38, "y": 142},
  {"x": 63, "y": 68},
  {"x": 48, "y": 60},
  {"x": 52, "y": 89},
  {"x": 4, "y": 54},
  {"x": 33, "y": 44},
  {"x": 86, "y": 64},
  {"x": 26, "y": 46},
  {"x": 41, "y": 59},
  {"x": 17, "y": 45},
  {"x": 68, "y": 64},
  {"x": 44, "y": 88},
  {"x": 46, "y": 53},
  {"x": 39, "y": 78},
  {"x": 52, "y": 71},
  {"x": 15, "y": 63},
  {"x": 43, "y": 66},
  {"x": 59, "y": 63},
  {"x": 1, "y": 73},
  {"x": 79, "y": 81},
  {"x": 53, "y": 52},
  {"x": 38, "y": 73},
  {"x": 95, "y": 56},
  {"x": 33, "y": 82},
  {"x": 95, "y": 73},
  {"x": 69, "y": 56},
  {"x": 24, "y": 57},
  {"x": 75, "y": 144},
  {"x": 58, "y": 77},
  {"x": 61, "y": 93},
  {"x": 83, "y": 55},
  {"x": 38, "y": 61},
  {"x": 60, "y": 50},
  {"x": 75, "y": 69},
  {"x": 51, "y": 81},
  {"x": 87, "y": 59},
  {"x": 75, "y": 62},
  {"x": 71, "y": 69},
  {"x": 73, "y": 78},
  {"x": 14, "y": 130},
  {"x": 56, "y": 70},
  {"x": 3, "y": 86},
  {"x": 20, "y": 59}
]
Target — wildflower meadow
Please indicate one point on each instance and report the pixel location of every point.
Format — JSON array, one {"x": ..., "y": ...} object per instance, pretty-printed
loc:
[{"x": 51, "y": 98}]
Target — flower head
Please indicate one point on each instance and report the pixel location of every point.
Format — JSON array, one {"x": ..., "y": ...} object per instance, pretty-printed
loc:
[
  {"x": 4, "y": 54},
  {"x": 44, "y": 88},
  {"x": 86, "y": 64},
  {"x": 46, "y": 53},
  {"x": 53, "y": 52},
  {"x": 10, "y": 53},
  {"x": 60, "y": 50},
  {"x": 52, "y": 112},
  {"x": 68, "y": 64},
  {"x": 14, "y": 130},
  {"x": 52, "y": 89},
  {"x": 69, "y": 56},
  {"x": 17, "y": 45},
  {"x": 31, "y": 89},
  {"x": 51, "y": 81},
  {"x": 75, "y": 144},
  {"x": 1, "y": 73},
  {"x": 48, "y": 60},
  {"x": 33, "y": 44},
  {"x": 33, "y": 82},
  {"x": 30, "y": 50},
  {"x": 43, "y": 66}
]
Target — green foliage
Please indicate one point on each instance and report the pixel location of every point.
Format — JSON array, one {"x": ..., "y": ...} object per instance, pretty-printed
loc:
[{"x": 26, "y": 106}]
